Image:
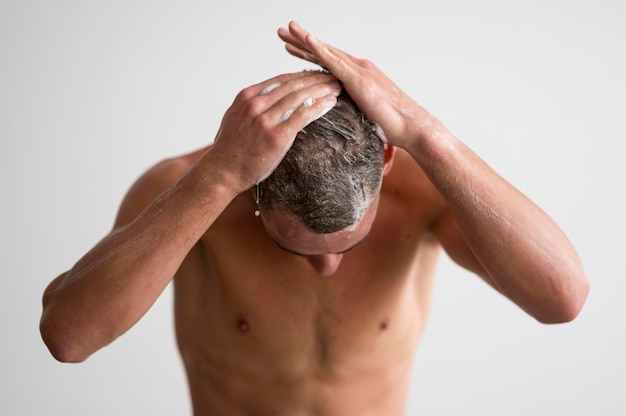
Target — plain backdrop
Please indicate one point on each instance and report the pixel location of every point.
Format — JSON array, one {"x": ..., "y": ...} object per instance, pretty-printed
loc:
[{"x": 94, "y": 93}]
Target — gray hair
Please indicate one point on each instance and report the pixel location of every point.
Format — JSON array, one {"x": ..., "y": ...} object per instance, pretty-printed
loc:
[{"x": 332, "y": 172}]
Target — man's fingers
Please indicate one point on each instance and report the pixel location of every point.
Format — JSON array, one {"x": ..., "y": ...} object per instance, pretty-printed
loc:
[
  {"x": 302, "y": 44},
  {"x": 302, "y": 54},
  {"x": 310, "y": 101},
  {"x": 262, "y": 96},
  {"x": 309, "y": 111},
  {"x": 296, "y": 47},
  {"x": 269, "y": 88},
  {"x": 286, "y": 35}
]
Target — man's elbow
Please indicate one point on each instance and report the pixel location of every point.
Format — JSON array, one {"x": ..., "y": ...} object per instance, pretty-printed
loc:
[
  {"x": 60, "y": 344},
  {"x": 568, "y": 305}
]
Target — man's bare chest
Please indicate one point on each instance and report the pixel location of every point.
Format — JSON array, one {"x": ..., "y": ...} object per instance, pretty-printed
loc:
[{"x": 249, "y": 293}]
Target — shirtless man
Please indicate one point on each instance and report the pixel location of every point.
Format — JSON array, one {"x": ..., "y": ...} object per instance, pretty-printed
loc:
[{"x": 275, "y": 319}]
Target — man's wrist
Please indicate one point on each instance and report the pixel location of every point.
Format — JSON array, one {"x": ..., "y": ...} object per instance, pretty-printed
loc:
[
  {"x": 430, "y": 140},
  {"x": 209, "y": 178}
]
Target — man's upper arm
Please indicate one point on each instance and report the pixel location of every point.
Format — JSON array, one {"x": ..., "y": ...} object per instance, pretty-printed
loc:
[{"x": 447, "y": 231}]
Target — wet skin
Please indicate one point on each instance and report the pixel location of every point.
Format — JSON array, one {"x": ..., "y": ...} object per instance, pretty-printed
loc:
[{"x": 330, "y": 330}]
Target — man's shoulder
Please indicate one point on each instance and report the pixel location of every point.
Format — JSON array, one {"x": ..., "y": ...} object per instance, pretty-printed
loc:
[
  {"x": 166, "y": 173},
  {"x": 153, "y": 182},
  {"x": 170, "y": 170}
]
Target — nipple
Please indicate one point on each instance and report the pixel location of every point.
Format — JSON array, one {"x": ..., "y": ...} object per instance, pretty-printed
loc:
[
  {"x": 243, "y": 325},
  {"x": 384, "y": 324}
]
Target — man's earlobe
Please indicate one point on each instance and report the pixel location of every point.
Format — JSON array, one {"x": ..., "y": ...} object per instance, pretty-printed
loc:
[{"x": 390, "y": 153}]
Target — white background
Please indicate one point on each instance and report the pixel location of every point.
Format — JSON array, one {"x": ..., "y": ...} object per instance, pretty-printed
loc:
[{"x": 93, "y": 93}]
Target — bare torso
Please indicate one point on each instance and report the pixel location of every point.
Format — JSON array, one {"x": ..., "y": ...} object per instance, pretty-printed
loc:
[{"x": 261, "y": 333}]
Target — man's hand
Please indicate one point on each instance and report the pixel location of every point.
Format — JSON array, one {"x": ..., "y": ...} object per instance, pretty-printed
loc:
[
  {"x": 401, "y": 119},
  {"x": 261, "y": 124},
  {"x": 490, "y": 225}
]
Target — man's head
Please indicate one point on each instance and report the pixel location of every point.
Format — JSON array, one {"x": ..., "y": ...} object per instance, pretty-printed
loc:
[
  {"x": 322, "y": 198},
  {"x": 332, "y": 172}
]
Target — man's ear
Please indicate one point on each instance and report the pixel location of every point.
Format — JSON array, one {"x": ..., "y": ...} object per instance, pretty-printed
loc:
[{"x": 390, "y": 153}]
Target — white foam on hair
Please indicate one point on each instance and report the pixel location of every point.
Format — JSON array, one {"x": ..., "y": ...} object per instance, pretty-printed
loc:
[{"x": 361, "y": 205}]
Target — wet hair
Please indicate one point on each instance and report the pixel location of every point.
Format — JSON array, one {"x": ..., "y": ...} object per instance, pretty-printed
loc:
[{"x": 332, "y": 172}]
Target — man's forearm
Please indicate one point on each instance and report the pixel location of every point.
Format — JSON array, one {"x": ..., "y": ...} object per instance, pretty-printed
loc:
[
  {"x": 525, "y": 254},
  {"x": 115, "y": 284}
]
